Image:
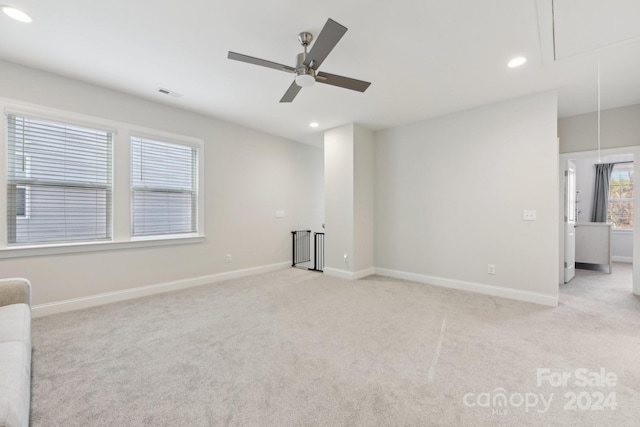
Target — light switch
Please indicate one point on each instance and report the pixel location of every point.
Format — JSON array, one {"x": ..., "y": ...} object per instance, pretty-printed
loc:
[{"x": 529, "y": 215}]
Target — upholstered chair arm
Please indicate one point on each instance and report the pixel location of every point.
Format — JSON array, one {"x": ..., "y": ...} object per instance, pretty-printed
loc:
[{"x": 15, "y": 291}]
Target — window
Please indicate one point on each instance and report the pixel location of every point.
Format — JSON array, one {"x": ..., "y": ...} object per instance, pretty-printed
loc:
[
  {"x": 164, "y": 188},
  {"x": 58, "y": 182},
  {"x": 620, "y": 210},
  {"x": 73, "y": 183}
]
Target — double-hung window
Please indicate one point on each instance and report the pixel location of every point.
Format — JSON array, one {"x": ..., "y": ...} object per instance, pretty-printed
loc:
[
  {"x": 73, "y": 183},
  {"x": 164, "y": 188},
  {"x": 620, "y": 209},
  {"x": 59, "y": 186}
]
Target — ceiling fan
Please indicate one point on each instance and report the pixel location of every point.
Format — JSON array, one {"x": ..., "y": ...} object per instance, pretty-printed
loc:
[{"x": 306, "y": 69}]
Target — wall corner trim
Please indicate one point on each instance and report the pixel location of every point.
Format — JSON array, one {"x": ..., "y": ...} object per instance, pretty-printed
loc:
[
  {"x": 40, "y": 310},
  {"x": 479, "y": 288}
]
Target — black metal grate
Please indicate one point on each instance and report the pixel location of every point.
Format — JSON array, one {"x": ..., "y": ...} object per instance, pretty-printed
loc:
[
  {"x": 301, "y": 247},
  {"x": 318, "y": 245}
]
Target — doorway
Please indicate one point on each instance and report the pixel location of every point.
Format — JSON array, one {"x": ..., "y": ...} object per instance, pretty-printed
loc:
[{"x": 624, "y": 240}]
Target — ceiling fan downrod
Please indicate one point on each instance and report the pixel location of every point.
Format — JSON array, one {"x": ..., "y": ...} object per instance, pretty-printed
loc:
[{"x": 305, "y": 76}]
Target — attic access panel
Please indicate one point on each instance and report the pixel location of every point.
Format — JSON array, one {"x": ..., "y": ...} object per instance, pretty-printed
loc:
[{"x": 582, "y": 26}]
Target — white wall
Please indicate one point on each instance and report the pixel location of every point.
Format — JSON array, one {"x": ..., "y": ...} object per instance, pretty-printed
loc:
[
  {"x": 622, "y": 245},
  {"x": 619, "y": 127},
  {"x": 450, "y": 194},
  {"x": 249, "y": 175}
]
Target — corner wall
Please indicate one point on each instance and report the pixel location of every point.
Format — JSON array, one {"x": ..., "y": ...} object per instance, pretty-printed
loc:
[
  {"x": 363, "y": 199},
  {"x": 450, "y": 195},
  {"x": 349, "y": 207},
  {"x": 338, "y": 195}
]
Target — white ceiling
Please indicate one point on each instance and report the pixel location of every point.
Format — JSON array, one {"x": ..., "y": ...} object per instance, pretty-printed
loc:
[{"x": 425, "y": 58}]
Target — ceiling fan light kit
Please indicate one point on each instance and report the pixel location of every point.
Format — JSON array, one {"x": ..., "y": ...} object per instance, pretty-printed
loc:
[
  {"x": 305, "y": 80},
  {"x": 307, "y": 63}
]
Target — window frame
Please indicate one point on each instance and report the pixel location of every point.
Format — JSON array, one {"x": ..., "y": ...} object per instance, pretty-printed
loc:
[{"x": 121, "y": 237}]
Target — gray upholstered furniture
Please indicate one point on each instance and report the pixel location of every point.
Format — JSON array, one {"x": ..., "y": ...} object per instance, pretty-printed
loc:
[{"x": 15, "y": 352}]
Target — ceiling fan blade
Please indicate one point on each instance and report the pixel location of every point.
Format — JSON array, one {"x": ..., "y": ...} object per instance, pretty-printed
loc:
[
  {"x": 340, "y": 81},
  {"x": 291, "y": 92},
  {"x": 262, "y": 62},
  {"x": 330, "y": 35}
]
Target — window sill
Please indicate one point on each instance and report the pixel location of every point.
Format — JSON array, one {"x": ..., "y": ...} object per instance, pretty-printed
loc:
[{"x": 83, "y": 247}]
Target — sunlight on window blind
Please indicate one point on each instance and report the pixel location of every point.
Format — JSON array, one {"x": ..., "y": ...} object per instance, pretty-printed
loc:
[
  {"x": 164, "y": 188},
  {"x": 58, "y": 182}
]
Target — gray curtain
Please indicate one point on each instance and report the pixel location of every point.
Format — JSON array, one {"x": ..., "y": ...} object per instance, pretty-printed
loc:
[{"x": 601, "y": 192}]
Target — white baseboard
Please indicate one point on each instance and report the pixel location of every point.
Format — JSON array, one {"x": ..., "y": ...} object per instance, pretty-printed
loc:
[
  {"x": 126, "y": 294},
  {"x": 627, "y": 259},
  {"x": 533, "y": 297},
  {"x": 349, "y": 275}
]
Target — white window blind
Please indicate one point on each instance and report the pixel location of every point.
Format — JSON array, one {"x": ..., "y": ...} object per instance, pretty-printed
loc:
[
  {"x": 164, "y": 188},
  {"x": 59, "y": 186}
]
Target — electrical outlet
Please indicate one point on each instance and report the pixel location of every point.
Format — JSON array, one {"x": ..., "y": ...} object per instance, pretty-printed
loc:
[
  {"x": 529, "y": 215},
  {"x": 228, "y": 258},
  {"x": 346, "y": 258},
  {"x": 491, "y": 269}
]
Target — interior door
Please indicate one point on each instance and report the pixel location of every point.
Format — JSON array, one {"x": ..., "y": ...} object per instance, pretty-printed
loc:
[{"x": 569, "y": 221}]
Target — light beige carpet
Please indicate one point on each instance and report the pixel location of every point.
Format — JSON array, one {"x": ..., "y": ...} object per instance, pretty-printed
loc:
[{"x": 294, "y": 347}]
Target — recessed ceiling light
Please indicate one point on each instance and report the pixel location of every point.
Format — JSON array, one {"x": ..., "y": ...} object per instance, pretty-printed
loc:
[
  {"x": 517, "y": 61},
  {"x": 314, "y": 124},
  {"x": 16, "y": 14}
]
